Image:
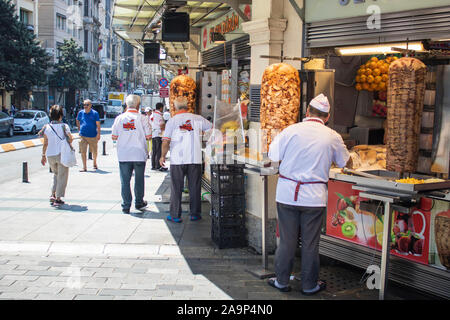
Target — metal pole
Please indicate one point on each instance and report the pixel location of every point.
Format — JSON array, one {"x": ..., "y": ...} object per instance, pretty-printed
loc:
[
  {"x": 385, "y": 249},
  {"x": 104, "y": 148},
  {"x": 25, "y": 172},
  {"x": 264, "y": 226}
]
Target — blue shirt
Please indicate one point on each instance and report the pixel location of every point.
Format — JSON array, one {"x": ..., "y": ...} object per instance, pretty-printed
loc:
[{"x": 88, "y": 125}]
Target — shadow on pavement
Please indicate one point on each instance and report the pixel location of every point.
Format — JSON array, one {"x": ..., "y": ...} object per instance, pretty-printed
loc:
[{"x": 72, "y": 207}]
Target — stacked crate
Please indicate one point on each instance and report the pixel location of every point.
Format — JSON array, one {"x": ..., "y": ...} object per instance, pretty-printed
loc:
[{"x": 228, "y": 206}]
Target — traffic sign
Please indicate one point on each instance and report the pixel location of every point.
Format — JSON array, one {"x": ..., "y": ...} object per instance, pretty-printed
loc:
[
  {"x": 163, "y": 82},
  {"x": 164, "y": 92}
]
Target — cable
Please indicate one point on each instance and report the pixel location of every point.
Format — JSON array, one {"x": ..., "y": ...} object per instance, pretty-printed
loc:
[{"x": 363, "y": 279}]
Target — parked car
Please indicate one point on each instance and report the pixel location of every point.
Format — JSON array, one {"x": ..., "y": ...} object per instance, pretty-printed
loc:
[
  {"x": 6, "y": 124},
  {"x": 100, "y": 107},
  {"x": 114, "y": 108},
  {"x": 30, "y": 121}
]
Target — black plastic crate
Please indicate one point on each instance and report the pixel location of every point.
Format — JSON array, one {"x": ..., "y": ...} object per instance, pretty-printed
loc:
[
  {"x": 228, "y": 237},
  {"x": 237, "y": 220},
  {"x": 227, "y": 205},
  {"x": 220, "y": 229},
  {"x": 227, "y": 179},
  {"x": 230, "y": 242}
]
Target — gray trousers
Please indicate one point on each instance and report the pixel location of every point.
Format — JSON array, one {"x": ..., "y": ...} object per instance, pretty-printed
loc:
[
  {"x": 194, "y": 176},
  {"x": 290, "y": 220},
  {"x": 60, "y": 175}
]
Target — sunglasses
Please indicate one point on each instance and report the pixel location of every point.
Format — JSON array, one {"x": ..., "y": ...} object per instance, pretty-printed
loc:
[{"x": 86, "y": 104}]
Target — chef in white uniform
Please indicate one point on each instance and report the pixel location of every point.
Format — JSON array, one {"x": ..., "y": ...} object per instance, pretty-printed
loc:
[{"x": 306, "y": 151}]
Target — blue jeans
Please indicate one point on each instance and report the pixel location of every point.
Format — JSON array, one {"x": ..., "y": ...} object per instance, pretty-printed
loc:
[{"x": 126, "y": 171}]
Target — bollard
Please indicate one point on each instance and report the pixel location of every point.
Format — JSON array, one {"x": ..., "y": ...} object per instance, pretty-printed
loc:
[
  {"x": 104, "y": 148},
  {"x": 90, "y": 155},
  {"x": 49, "y": 169},
  {"x": 25, "y": 172}
]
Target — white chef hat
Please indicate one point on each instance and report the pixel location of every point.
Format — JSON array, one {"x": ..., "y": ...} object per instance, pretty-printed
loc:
[
  {"x": 148, "y": 109},
  {"x": 320, "y": 103}
]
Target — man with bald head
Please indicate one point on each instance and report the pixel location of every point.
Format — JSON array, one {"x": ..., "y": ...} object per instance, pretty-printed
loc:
[
  {"x": 88, "y": 123},
  {"x": 131, "y": 130},
  {"x": 182, "y": 136}
]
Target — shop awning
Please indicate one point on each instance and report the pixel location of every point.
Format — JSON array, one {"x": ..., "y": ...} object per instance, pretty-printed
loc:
[{"x": 133, "y": 21}]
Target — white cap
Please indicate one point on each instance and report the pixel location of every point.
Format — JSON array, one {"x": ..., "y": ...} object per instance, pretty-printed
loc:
[
  {"x": 148, "y": 109},
  {"x": 320, "y": 103}
]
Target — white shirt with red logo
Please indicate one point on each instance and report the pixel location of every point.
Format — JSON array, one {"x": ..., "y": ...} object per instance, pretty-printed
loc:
[
  {"x": 306, "y": 151},
  {"x": 131, "y": 129},
  {"x": 184, "y": 130},
  {"x": 156, "y": 121}
]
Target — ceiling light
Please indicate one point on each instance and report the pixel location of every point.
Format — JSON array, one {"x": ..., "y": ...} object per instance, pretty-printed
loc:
[{"x": 379, "y": 49}]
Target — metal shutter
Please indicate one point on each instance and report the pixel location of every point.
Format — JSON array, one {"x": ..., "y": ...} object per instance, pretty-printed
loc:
[
  {"x": 255, "y": 103},
  {"x": 395, "y": 27},
  {"x": 217, "y": 56}
]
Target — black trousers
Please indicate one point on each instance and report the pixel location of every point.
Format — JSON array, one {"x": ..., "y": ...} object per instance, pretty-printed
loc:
[
  {"x": 194, "y": 177},
  {"x": 156, "y": 152},
  {"x": 290, "y": 220}
]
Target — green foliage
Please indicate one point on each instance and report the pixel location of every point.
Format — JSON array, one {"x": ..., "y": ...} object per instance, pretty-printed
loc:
[
  {"x": 71, "y": 71},
  {"x": 22, "y": 61}
]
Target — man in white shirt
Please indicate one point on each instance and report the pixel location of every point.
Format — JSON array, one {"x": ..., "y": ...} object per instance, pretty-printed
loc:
[
  {"x": 183, "y": 135},
  {"x": 306, "y": 151},
  {"x": 158, "y": 125},
  {"x": 131, "y": 131}
]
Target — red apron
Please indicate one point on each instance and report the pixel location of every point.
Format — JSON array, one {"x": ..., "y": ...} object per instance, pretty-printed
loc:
[{"x": 299, "y": 183}]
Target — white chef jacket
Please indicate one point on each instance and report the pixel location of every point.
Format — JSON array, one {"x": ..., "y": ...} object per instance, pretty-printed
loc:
[
  {"x": 306, "y": 151},
  {"x": 131, "y": 129},
  {"x": 184, "y": 130},
  {"x": 156, "y": 122}
]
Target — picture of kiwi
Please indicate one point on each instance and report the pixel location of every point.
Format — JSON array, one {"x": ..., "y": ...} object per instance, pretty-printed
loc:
[{"x": 349, "y": 230}]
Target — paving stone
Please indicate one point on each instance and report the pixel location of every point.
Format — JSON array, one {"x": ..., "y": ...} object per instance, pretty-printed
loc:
[
  {"x": 17, "y": 296},
  {"x": 20, "y": 277},
  {"x": 3, "y": 261},
  {"x": 141, "y": 286},
  {"x": 109, "y": 275},
  {"x": 6, "y": 267},
  {"x": 12, "y": 288},
  {"x": 132, "y": 298},
  {"x": 55, "y": 263},
  {"x": 81, "y": 291},
  {"x": 45, "y": 296},
  {"x": 174, "y": 287},
  {"x": 5, "y": 283},
  {"x": 32, "y": 268},
  {"x": 116, "y": 292},
  {"x": 42, "y": 273},
  {"x": 130, "y": 270},
  {"x": 93, "y": 297},
  {"x": 106, "y": 285},
  {"x": 43, "y": 290},
  {"x": 13, "y": 272}
]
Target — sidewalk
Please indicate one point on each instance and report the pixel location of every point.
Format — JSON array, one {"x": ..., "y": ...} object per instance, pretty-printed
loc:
[{"x": 89, "y": 249}]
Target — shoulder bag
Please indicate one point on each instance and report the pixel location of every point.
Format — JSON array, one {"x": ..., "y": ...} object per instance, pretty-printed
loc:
[{"x": 68, "y": 157}]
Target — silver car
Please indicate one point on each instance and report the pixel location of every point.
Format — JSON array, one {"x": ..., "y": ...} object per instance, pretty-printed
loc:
[
  {"x": 6, "y": 124},
  {"x": 30, "y": 121}
]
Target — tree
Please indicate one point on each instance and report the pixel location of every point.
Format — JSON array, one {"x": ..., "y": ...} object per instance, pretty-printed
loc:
[
  {"x": 22, "y": 61},
  {"x": 70, "y": 72}
]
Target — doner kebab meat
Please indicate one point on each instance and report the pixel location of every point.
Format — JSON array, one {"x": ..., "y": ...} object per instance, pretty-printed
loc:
[
  {"x": 180, "y": 86},
  {"x": 405, "y": 99},
  {"x": 280, "y": 99}
]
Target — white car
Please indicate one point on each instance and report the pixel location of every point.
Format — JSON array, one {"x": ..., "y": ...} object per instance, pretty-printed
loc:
[
  {"x": 114, "y": 108},
  {"x": 30, "y": 121}
]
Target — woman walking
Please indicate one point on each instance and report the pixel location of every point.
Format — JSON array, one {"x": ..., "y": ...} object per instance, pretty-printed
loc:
[{"x": 54, "y": 135}]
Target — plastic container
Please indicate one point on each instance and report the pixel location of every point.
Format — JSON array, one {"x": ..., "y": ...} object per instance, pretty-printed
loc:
[
  {"x": 224, "y": 206},
  {"x": 227, "y": 179}
]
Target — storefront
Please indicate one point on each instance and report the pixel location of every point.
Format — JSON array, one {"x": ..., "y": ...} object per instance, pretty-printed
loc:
[{"x": 361, "y": 47}]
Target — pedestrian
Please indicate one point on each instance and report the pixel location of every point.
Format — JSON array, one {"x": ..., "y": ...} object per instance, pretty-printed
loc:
[
  {"x": 148, "y": 118},
  {"x": 183, "y": 134},
  {"x": 166, "y": 116},
  {"x": 131, "y": 131},
  {"x": 88, "y": 123},
  {"x": 306, "y": 151},
  {"x": 54, "y": 135},
  {"x": 158, "y": 124},
  {"x": 12, "y": 110}
]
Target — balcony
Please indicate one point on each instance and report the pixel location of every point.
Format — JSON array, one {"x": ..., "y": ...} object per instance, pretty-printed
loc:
[{"x": 88, "y": 20}]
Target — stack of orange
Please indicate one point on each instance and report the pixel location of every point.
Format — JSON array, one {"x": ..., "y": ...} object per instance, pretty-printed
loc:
[{"x": 373, "y": 75}]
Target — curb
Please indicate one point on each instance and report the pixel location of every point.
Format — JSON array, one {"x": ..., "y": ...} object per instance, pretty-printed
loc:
[{"x": 13, "y": 146}]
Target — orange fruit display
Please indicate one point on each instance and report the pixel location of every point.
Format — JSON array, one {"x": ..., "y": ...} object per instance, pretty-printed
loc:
[
  {"x": 373, "y": 65},
  {"x": 363, "y": 78},
  {"x": 368, "y": 72},
  {"x": 358, "y": 87},
  {"x": 358, "y": 78},
  {"x": 377, "y": 79},
  {"x": 370, "y": 79},
  {"x": 384, "y": 77},
  {"x": 376, "y": 72},
  {"x": 382, "y": 86},
  {"x": 365, "y": 86}
]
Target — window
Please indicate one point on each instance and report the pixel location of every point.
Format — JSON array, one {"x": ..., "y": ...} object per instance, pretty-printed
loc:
[
  {"x": 25, "y": 16},
  {"x": 58, "y": 49},
  {"x": 60, "y": 22},
  {"x": 86, "y": 41},
  {"x": 86, "y": 8}
]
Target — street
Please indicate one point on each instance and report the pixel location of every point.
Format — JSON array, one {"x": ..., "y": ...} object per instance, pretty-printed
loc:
[{"x": 87, "y": 249}]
